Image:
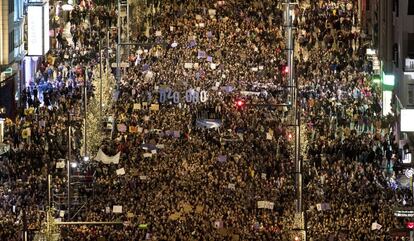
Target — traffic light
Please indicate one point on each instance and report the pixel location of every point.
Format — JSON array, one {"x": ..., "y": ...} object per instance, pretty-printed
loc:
[
  {"x": 240, "y": 103},
  {"x": 285, "y": 70},
  {"x": 410, "y": 225}
]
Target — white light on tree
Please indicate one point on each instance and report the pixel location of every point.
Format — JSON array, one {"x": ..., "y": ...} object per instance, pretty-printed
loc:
[{"x": 67, "y": 7}]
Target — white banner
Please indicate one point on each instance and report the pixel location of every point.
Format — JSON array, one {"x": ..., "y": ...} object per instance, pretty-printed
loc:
[
  {"x": 265, "y": 205},
  {"x": 102, "y": 157}
]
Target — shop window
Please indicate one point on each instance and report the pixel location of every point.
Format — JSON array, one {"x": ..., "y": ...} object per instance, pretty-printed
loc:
[
  {"x": 410, "y": 94},
  {"x": 410, "y": 7}
]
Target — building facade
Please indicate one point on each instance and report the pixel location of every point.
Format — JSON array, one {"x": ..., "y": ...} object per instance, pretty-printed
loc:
[{"x": 12, "y": 20}]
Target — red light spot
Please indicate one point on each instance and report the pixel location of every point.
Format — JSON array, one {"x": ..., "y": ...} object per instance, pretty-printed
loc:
[
  {"x": 286, "y": 70},
  {"x": 410, "y": 225}
]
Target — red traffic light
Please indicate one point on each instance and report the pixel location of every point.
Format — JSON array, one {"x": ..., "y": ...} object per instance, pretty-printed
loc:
[
  {"x": 410, "y": 225},
  {"x": 285, "y": 69}
]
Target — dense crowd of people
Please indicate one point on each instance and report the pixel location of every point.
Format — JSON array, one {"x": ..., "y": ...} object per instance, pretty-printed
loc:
[{"x": 223, "y": 61}]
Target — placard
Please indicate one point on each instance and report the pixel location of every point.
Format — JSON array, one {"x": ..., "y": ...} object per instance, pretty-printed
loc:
[
  {"x": 120, "y": 172},
  {"x": 117, "y": 209}
]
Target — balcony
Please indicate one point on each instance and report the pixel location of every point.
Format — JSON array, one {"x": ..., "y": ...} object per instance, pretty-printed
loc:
[{"x": 409, "y": 65}]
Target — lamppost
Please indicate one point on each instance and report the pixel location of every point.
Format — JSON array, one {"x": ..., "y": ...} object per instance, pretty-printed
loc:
[{"x": 293, "y": 84}]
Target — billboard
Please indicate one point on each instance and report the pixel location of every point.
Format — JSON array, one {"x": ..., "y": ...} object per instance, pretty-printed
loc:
[
  {"x": 38, "y": 29},
  {"x": 406, "y": 120}
]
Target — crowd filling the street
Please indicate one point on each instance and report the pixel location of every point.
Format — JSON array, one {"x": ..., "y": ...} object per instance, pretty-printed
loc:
[{"x": 198, "y": 140}]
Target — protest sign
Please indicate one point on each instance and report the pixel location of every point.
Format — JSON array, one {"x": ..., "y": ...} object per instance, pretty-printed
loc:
[
  {"x": 222, "y": 158},
  {"x": 26, "y": 133},
  {"x": 60, "y": 164},
  {"x": 155, "y": 107},
  {"x": 120, "y": 172},
  {"x": 187, "y": 208},
  {"x": 375, "y": 226},
  {"x": 175, "y": 216},
  {"x": 121, "y": 127},
  {"x": 117, "y": 209},
  {"x": 323, "y": 206},
  {"x": 146, "y": 155},
  {"x": 269, "y": 136},
  {"x": 137, "y": 106},
  {"x": 265, "y": 205},
  {"x": 188, "y": 65},
  {"x": 199, "y": 209},
  {"x": 218, "y": 224},
  {"x": 212, "y": 12},
  {"x": 133, "y": 129}
]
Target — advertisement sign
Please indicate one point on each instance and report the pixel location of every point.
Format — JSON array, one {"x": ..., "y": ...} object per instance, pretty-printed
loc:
[
  {"x": 406, "y": 121},
  {"x": 46, "y": 43},
  {"x": 38, "y": 31},
  {"x": 386, "y": 102}
]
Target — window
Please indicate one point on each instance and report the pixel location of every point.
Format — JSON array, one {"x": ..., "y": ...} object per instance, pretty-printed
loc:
[
  {"x": 410, "y": 46},
  {"x": 396, "y": 8},
  {"x": 395, "y": 55},
  {"x": 410, "y": 94},
  {"x": 11, "y": 6},
  {"x": 11, "y": 41},
  {"x": 410, "y": 7}
]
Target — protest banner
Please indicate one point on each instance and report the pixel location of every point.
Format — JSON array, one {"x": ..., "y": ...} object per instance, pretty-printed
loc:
[
  {"x": 102, "y": 157},
  {"x": 265, "y": 205}
]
